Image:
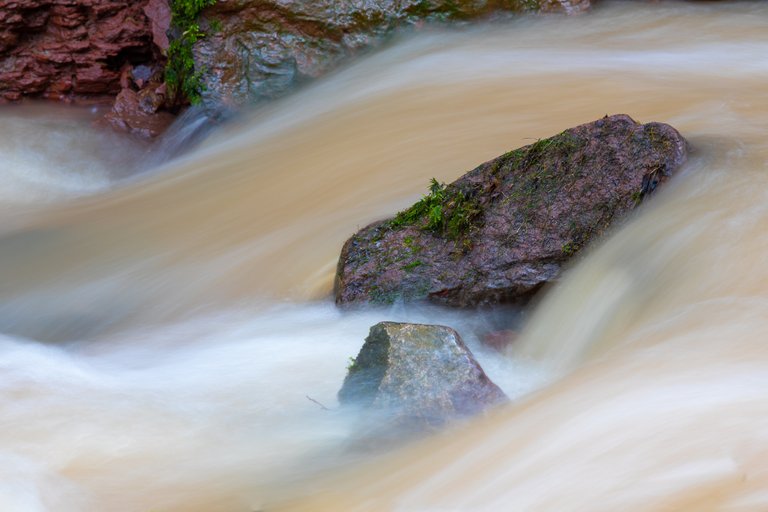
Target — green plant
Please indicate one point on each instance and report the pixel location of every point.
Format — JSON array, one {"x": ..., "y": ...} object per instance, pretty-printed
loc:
[
  {"x": 445, "y": 209},
  {"x": 429, "y": 206},
  {"x": 181, "y": 78}
]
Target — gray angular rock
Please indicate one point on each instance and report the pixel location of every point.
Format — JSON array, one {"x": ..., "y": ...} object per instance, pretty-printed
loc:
[
  {"x": 504, "y": 229},
  {"x": 421, "y": 375}
]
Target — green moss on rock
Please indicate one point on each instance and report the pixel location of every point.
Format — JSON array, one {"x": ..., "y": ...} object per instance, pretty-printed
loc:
[
  {"x": 502, "y": 230},
  {"x": 445, "y": 210}
]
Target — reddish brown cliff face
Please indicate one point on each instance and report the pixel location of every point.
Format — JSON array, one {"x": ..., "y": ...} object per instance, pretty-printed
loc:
[{"x": 70, "y": 49}]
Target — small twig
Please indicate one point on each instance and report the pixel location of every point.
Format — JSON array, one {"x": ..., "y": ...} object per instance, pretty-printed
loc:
[{"x": 318, "y": 403}]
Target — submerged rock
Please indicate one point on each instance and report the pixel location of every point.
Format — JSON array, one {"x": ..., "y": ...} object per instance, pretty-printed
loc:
[
  {"x": 258, "y": 49},
  {"x": 139, "y": 112},
  {"x": 420, "y": 374},
  {"x": 504, "y": 229}
]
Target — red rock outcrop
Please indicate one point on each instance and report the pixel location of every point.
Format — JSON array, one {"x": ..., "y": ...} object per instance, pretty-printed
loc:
[
  {"x": 72, "y": 49},
  {"x": 255, "y": 50}
]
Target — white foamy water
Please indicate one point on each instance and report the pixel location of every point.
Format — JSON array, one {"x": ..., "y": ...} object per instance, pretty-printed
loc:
[
  {"x": 161, "y": 335},
  {"x": 51, "y": 152}
]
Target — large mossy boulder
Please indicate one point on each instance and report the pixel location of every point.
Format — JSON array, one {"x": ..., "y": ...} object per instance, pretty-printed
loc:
[
  {"x": 504, "y": 229},
  {"x": 256, "y": 50},
  {"x": 418, "y": 375}
]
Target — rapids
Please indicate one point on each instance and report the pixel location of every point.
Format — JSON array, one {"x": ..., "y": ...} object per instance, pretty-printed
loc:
[{"x": 163, "y": 327}]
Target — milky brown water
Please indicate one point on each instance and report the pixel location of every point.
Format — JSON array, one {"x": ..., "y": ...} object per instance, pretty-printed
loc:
[{"x": 161, "y": 331}]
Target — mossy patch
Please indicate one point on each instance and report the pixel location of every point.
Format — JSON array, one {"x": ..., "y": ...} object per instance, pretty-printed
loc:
[
  {"x": 413, "y": 265},
  {"x": 445, "y": 210},
  {"x": 570, "y": 248},
  {"x": 544, "y": 168},
  {"x": 382, "y": 297}
]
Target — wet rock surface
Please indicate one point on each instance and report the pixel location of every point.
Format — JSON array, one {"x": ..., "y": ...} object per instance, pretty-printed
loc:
[
  {"x": 139, "y": 112},
  {"x": 504, "y": 229},
  {"x": 258, "y": 49},
  {"x": 62, "y": 49},
  {"x": 253, "y": 50},
  {"x": 419, "y": 375}
]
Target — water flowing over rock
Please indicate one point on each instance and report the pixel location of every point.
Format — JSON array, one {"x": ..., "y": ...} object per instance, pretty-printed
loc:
[
  {"x": 420, "y": 374},
  {"x": 62, "y": 49},
  {"x": 504, "y": 229},
  {"x": 257, "y": 50},
  {"x": 254, "y": 50}
]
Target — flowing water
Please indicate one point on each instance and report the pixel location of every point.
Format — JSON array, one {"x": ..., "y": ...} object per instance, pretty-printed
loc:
[{"x": 162, "y": 329}]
